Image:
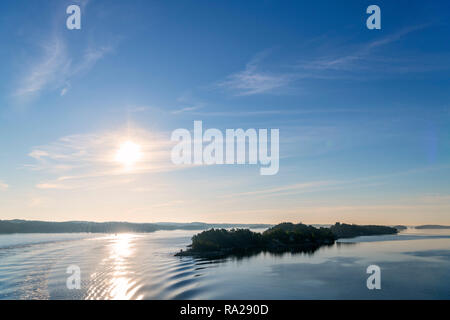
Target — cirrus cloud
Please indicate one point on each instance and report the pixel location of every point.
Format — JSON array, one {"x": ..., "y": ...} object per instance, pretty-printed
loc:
[
  {"x": 88, "y": 160},
  {"x": 3, "y": 186}
]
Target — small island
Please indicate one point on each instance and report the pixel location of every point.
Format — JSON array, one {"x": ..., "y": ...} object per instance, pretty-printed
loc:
[{"x": 280, "y": 238}]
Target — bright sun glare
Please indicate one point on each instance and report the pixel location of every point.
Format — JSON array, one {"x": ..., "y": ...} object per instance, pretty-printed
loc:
[{"x": 129, "y": 153}]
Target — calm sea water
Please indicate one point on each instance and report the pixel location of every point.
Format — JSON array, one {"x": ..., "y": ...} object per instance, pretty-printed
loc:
[{"x": 414, "y": 265}]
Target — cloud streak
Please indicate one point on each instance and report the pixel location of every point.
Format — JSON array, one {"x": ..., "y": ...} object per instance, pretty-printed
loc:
[
  {"x": 3, "y": 186},
  {"x": 88, "y": 160},
  {"x": 327, "y": 185},
  {"x": 56, "y": 68},
  {"x": 252, "y": 80},
  {"x": 363, "y": 58},
  {"x": 45, "y": 70}
]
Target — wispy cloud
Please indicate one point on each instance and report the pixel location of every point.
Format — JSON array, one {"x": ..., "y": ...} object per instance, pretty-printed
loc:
[
  {"x": 264, "y": 113},
  {"x": 3, "y": 186},
  {"x": 362, "y": 57},
  {"x": 45, "y": 70},
  {"x": 185, "y": 109},
  {"x": 188, "y": 104},
  {"x": 56, "y": 68},
  {"x": 435, "y": 198},
  {"x": 38, "y": 202},
  {"x": 340, "y": 63},
  {"x": 137, "y": 109},
  {"x": 65, "y": 90},
  {"x": 252, "y": 80},
  {"x": 281, "y": 190},
  {"x": 88, "y": 160},
  {"x": 328, "y": 185}
]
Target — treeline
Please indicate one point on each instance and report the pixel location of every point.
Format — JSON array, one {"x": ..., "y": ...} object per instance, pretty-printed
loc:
[
  {"x": 217, "y": 239},
  {"x": 25, "y": 226},
  {"x": 289, "y": 234},
  {"x": 22, "y": 226},
  {"x": 284, "y": 236},
  {"x": 432, "y": 226},
  {"x": 342, "y": 230}
]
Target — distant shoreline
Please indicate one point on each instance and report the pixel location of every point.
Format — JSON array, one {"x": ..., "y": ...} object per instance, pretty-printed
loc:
[
  {"x": 432, "y": 226},
  {"x": 34, "y": 226},
  {"x": 29, "y": 226}
]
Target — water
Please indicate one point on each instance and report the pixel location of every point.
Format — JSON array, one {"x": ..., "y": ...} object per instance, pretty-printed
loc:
[{"x": 414, "y": 265}]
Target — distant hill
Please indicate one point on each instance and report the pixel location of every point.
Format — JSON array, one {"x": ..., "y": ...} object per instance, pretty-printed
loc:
[
  {"x": 432, "y": 226},
  {"x": 202, "y": 225},
  {"x": 27, "y": 226}
]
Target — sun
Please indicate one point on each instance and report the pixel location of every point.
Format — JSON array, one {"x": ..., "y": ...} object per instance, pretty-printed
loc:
[{"x": 128, "y": 153}]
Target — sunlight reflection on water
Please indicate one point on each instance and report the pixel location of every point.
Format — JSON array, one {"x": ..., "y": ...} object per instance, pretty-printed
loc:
[
  {"x": 120, "y": 283},
  {"x": 143, "y": 266}
]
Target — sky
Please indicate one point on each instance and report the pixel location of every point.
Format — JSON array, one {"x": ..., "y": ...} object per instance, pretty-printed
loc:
[{"x": 363, "y": 115}]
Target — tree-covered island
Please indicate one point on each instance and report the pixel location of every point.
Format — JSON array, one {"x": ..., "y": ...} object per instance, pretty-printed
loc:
[{"x": 282, "y": 237}]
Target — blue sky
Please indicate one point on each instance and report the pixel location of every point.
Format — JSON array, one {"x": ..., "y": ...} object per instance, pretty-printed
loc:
[{"x": 364, "y": 115}]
